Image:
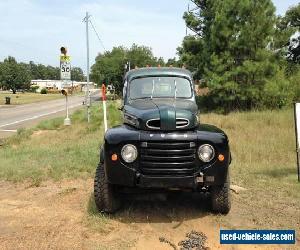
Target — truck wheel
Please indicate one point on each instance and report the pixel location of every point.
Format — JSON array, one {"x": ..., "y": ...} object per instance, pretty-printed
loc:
[
  {"x": 220, "y": 197},
  {"x": 106, "y": 197}
]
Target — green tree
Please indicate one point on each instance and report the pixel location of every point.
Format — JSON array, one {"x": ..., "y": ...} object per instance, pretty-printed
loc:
[
  {"x": 141, "y": 56},
  {"x": 109, "y": 66},
  {"x": 287, "y": 39},
  {"x": 160, "y": 61},
  {"x": 292, "y": 21},
  {"x": 174, "y": 62},
  {"x": 230, "y": 50},
  {"x": 77, "y": 74},
  {"x": 42, "y": 72},
  {"x": 51, "y": 73},
  {"x": 14, "y": 75}
]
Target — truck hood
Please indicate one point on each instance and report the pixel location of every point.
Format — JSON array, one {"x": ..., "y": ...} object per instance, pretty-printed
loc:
[{"x": 165, "y": 114}]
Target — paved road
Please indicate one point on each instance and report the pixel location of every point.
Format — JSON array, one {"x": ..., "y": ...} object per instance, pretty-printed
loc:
[{"x": 23, "y": 116}]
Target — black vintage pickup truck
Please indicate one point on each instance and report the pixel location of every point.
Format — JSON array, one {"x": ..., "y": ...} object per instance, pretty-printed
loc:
[{"x": 162, "y": 145}]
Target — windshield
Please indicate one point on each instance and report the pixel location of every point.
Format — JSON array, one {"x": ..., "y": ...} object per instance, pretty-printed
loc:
[{"x": 159, "y": 87}]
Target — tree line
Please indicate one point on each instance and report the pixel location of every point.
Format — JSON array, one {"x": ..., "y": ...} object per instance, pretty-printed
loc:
[{"x": 17, "y": 75}]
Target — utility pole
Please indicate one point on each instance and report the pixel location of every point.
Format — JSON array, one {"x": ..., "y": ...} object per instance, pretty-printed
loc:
[{"x": 87, "y": 89}]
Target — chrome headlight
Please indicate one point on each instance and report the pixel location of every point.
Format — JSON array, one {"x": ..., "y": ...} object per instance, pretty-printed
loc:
[
  {"x": 129, "y": 153},
  {"x": 206, "y": 152}
]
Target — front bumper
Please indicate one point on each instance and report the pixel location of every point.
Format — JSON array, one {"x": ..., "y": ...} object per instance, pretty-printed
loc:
[{"x": 119, "y": 174}]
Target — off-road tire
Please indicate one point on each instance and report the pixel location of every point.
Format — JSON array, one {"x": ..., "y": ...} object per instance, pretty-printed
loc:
[
  {"x": 106, "y": 198},
  {"x": 221, "y": 198}
]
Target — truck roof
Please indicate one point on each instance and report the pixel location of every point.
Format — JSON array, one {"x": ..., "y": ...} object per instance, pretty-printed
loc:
[{"x": 157, "y": 71}]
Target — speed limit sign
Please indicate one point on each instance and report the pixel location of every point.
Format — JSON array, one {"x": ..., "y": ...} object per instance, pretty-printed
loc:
[{"x": 65, "y": 70}]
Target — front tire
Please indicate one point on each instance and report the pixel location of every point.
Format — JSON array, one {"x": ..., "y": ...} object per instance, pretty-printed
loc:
[
  {"x": 221, "y": 198},
  {"x": 106, "y": 198}
]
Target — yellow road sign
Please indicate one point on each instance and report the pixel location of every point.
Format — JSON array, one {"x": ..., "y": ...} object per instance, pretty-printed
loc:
[{"x": 64, "y": 58}]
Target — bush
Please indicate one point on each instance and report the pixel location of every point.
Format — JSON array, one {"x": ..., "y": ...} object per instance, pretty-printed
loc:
[
  {"x": 44, "y": 91},
  {"x": 33, "y": 89}
]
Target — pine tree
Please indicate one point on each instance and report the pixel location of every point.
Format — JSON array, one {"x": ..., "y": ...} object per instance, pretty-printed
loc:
[{"x": 231, "y": 50}]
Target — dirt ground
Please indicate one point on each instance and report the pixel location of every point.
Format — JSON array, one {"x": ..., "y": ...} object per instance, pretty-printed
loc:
[{"x": 61, "y": 215}]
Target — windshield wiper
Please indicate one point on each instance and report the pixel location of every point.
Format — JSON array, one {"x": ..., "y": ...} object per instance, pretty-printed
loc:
[
  {"x": 175, "y": 84},
  {"x": 152, "y": 89}
]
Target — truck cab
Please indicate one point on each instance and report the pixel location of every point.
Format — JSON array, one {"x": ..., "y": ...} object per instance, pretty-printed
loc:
[{"x": 162, "y": 144}]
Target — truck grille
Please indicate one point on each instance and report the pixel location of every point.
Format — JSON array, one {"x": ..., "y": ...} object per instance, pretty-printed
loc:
[{"x": 168, "y": 158}]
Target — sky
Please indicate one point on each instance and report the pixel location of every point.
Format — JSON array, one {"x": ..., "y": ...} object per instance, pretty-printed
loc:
[{"x": 34, "y": 30}]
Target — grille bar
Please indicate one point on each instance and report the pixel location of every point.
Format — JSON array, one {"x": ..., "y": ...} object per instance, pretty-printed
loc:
[
  {"x": 168, "y": 158},
  {"x": 175, "y": 152},
  {"x": 168, "y": 145}
]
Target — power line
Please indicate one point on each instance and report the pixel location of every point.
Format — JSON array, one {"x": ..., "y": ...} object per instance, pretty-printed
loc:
[{"x": 101, "y": 42}]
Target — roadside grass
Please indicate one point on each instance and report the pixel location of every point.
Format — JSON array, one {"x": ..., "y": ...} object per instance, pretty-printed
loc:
[
  {"x": 264, "y": 162},
  {"x": 25, "y": 98},
  {"x": 51, "y": 150},
  {"x": 262, "y": 145}
]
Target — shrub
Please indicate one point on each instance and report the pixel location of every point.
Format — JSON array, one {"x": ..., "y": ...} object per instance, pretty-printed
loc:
[
  {"x": 33, "y": 89},
  {"x": 44, "y": 91}
]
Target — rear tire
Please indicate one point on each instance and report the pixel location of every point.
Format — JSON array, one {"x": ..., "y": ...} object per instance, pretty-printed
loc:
[
  {"x": 106, "y": 198},
  {"x": 221, "y": 198}
]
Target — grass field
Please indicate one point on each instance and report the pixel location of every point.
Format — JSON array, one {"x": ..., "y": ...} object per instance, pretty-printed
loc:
[
  {"x": 262, "y": 144},
  {"x": 24, "y": 98}
]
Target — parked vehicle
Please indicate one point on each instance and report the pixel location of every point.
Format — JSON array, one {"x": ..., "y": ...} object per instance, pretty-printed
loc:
[{"x": 162, "y": 145}]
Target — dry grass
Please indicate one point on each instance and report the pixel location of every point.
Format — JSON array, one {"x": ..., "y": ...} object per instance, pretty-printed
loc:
[
  {"x": 24, "y": 98},
  {"x": 264, "y": 162},
  {"x": 262, "y": 144}
]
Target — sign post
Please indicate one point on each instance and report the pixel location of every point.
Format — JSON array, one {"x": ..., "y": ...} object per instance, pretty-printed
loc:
[
  {"x": 65, "y": 75},
  {"x": 297, "y": 131},
  {"x": 67, "y": 120},
  {"x": 104, "y": 106}
]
